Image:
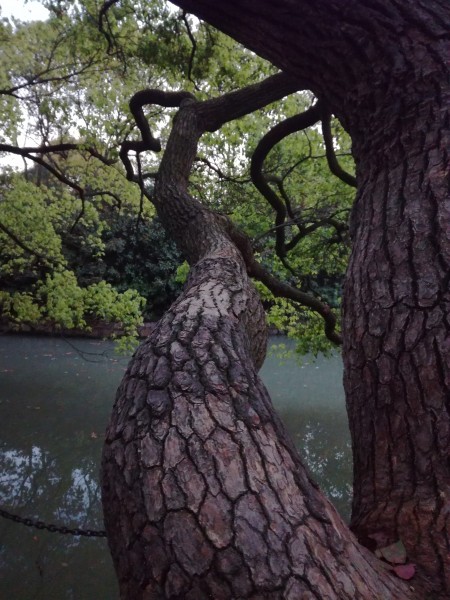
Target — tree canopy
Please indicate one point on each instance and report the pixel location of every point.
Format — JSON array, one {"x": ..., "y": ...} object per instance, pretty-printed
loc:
[{"x": 65, "y": 88}]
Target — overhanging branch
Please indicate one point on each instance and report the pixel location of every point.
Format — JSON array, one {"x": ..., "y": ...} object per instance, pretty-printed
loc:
[
  {"x": 281, "y": 289},
  {"x": 284, "y": 290}
]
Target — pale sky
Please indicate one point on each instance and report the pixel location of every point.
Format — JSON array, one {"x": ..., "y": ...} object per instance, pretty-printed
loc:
[{"x": 25, "y": 11}]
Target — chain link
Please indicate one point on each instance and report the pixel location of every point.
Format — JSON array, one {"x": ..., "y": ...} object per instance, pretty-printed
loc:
[{"x": 50, "y": 527}]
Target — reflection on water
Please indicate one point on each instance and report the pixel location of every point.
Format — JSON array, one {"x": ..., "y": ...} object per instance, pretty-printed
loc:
[
  {"x": 54, "y": 404},
  {"x": 55, "y": 399},
  {"x": 310, "y": 399}
]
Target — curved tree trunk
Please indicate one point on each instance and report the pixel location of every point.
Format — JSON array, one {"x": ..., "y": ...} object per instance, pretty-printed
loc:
[{"x": 204, "y": 494}]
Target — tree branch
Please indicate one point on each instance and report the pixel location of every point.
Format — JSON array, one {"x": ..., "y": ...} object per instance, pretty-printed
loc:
[
  {"x": 265, "y": 145},
  {"x": 281, "y": 289},
  {"x": 193, "y": 50},
  {"x": 102, "y": 16},
  {"x": 284, "y": 290},
  {"x": 56, "y": 149},
  {"x": 148, "y": 142},
  {"x": 234, "y": 105},
  {"x": 218, "y": 171},
  {"x": 38, "y": 79},
  {"x": 333, "y": 163},
  {"x": 211, "y": 114}
]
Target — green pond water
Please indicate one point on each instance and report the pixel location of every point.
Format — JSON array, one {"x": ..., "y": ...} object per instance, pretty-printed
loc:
[{"x": 55, "y": 399}]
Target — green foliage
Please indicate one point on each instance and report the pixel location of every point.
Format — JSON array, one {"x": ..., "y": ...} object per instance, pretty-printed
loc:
[
  {"x": 72, "y": 261},
  {"x": 24, "y": 213},
  {"x": 38, "y": 284},
  {"x": 59, "y": 301},
  {"x": 139, "y": 255},
  {"x": 20, "y": 307},
  {"x": 301, "y": 324},
  {"x": 182, "y": 272},
  {"x": 101, "y": 299},
  {"x": 113, "y": 268},
  {"x": 62, "y": 299}
]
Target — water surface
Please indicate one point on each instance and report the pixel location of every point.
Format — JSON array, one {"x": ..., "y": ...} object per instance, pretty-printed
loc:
[{"x": 55, "y": 399}]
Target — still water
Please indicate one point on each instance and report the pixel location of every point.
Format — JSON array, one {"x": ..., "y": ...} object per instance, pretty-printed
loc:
[{"x": 55, "y": 398}]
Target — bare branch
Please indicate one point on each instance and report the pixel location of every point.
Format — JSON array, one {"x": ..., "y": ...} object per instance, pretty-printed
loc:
[
  {"x": 278, "y": 181},
  {"x": 333, "y": 163},
  {"x": 141, "y": 197},
  {"x": 102, "y": 17},
  {"x": 55, "y": 149},
  {"x": 265, "y": 145},
  {"x": 330, "y": 221},
  {"x": 57, "y": 174},
  {"x": 193, "y": 49},
  {"x": 40, "y": 79},
  {"x": 223, "y": 176},
  {"x": 234, "y": 105}
]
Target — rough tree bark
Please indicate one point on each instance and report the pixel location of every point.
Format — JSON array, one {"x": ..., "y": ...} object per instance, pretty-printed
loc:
[
  {"x": 204, "y": 494},
  {"x": 383, "y": 68}
]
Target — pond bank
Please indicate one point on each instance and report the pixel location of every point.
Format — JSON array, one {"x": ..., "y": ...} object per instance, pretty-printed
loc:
[{"x": 99, "y": 330}]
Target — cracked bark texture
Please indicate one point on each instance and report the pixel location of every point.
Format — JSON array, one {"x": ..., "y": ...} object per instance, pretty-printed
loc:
[
  {"x": 204, "y": 494},
  {"x": 397, "y": 343},
  {"x": 383, "y": 68}
]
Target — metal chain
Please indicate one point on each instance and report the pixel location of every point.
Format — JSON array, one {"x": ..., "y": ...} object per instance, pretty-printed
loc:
[{"x": 49, "y": 527}]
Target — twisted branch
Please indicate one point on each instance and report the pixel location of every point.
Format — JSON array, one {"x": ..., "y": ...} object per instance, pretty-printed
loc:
[
  {"x": 271, "y": 139},
  {"x": 147, "y": 141},
  {"x": 333, "y": 162}
]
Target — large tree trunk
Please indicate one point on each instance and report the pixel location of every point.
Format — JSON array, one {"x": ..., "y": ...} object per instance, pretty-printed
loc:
[
  {"x": 383, "y": 67},
  {"x": 204, "y": 494},
  {"x": 397, "y": 344}
]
